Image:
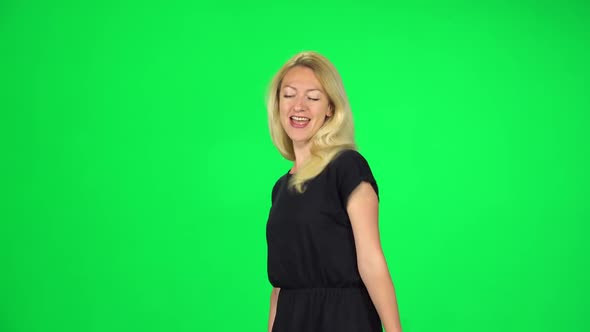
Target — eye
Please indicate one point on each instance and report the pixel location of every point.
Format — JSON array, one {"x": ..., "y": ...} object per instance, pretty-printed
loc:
[
  {"x": 288, "y": 96},
  {"x": 314, "y": 99}
]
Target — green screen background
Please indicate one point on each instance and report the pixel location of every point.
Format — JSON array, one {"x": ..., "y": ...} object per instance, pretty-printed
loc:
[{"x": 137, "y": 166}]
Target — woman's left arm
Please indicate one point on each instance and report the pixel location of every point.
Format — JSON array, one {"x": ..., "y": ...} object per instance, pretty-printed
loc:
[{"x": 363, "y": 210}]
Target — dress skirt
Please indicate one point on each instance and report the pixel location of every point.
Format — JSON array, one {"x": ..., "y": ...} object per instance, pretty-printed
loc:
[{"x": 326, "y": 310}]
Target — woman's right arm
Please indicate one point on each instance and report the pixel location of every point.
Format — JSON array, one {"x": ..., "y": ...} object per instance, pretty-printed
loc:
[{"x": 274, "y": 296}]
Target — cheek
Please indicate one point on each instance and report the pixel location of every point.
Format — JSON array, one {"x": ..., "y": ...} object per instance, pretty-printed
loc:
[
  {"x": 283, "y": 107},
  {"x": 321, "y": 110}
]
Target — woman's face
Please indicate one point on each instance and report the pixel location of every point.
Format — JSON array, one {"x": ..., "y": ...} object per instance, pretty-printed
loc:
[{"x": 303, "y": 104}]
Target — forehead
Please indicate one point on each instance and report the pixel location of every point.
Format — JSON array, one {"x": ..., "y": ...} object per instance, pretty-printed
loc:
[{"x": 301, "y": 77}]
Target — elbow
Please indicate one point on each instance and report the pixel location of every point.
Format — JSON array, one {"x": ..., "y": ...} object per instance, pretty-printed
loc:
[
  {"x": 373, "y": 267},
  {"x": 366, "y": 273}
]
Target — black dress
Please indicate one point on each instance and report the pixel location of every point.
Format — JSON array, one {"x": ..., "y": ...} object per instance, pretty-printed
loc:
[{"x": 312, "y": 256}]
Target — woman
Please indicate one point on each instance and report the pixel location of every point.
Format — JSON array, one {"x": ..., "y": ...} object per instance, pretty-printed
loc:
[{"x": 325, "y": 260}]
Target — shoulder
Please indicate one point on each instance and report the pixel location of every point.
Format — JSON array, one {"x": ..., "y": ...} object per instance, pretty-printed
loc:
[
  {"x": 351, "y": 169},
  {"x": 349, "y": 156},
  {"x": 276, "y": 187}
]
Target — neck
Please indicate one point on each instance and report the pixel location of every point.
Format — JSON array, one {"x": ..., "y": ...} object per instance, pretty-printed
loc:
[{"x": 302, "y": 154}]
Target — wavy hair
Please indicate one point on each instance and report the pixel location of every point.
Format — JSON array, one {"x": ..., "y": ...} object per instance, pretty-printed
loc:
[{"x": 335, "y": 135}]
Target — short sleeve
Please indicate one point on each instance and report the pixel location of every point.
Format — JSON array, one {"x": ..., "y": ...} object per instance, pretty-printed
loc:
[
  {"x": 352, "y": 169},
  {"x": 274, "y": 192}
]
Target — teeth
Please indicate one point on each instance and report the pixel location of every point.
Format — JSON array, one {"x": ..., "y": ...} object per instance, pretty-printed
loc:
[{"x": 299, "y": 118}]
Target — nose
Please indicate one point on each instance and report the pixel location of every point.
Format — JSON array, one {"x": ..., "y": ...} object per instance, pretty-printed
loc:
[{"x": 300, "y": 104}]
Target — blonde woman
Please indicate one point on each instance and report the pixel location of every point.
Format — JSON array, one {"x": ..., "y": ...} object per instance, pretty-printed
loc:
[{"x": 325, "y": 261}]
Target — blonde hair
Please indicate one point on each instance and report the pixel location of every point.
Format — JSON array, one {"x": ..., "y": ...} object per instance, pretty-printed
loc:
[{"x": 336, "y": 134}]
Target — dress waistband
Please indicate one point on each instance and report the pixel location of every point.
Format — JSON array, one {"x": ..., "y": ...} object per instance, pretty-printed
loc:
[{"x": 324, "y": 289}]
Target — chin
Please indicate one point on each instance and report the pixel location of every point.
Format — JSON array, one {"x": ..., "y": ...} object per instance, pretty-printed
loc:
[{"x": 300, "y": 140}]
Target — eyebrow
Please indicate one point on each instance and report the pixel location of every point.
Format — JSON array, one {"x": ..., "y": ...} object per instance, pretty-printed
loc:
[{"x": 289, "y": 86}]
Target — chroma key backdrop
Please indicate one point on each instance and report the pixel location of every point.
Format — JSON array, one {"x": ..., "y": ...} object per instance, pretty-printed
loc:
[{"x": 136, "y": 164}]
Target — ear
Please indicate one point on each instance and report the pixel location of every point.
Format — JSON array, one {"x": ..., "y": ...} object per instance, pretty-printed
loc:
[{"x": 330, "y": 110}]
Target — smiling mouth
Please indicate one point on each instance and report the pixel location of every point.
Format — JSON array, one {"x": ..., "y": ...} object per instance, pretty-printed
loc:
[
  {"x": 300, "y": 118},
  {"x": 299, "y": 121}
]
